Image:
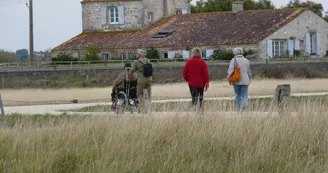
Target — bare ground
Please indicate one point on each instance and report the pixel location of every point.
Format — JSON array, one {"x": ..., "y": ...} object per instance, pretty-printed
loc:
[{"x": 12, "y": 97}]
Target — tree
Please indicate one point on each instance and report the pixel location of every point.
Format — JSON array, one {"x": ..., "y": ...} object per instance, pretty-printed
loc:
[
  {"x": 326, "y": 16},
  {"x": 91, "y": 53},
  {"x": 313, "y": 6},
  {"x": 6, "y": 56},
  {"x": 22, "y": 55},
  {"x": 226, "y": 5}
]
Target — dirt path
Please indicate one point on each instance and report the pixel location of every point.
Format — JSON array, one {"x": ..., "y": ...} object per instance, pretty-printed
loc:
[{"x": 12, "y": 97}]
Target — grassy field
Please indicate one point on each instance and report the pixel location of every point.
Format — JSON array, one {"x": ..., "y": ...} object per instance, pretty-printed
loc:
[
  {"x": 163, "y": 91},
  {"x": 177, "y": 144},
  {"x": 262, "y": 104}
]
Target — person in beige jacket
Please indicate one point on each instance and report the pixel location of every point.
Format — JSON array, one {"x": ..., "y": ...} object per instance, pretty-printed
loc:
[{"x": 241, "y": 88}]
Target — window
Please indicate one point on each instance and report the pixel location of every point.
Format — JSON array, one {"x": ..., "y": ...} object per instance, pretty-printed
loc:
[
  {"x": 105, "y": 56},
  {"x": 162, "y": 34},
  {"x": 312, "y": 42},
  {"x": 165, "y": 55},
  {"x": 178, "y": 11},
  {"x": 150, "y": 17},
  {"x": 114, "y": 15},
  {"x": 278, "y": 48},
  {"x": 204, "y": 54}
]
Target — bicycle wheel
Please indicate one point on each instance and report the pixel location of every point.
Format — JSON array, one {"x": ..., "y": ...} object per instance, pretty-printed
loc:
[{"x": 120, "y": 103}]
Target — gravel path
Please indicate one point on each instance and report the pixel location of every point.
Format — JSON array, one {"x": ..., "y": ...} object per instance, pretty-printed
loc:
[{"x": 58, "y": 109}]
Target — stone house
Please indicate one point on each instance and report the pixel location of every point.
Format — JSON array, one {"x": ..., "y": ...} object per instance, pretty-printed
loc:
[{"x": 119, "y": 27}]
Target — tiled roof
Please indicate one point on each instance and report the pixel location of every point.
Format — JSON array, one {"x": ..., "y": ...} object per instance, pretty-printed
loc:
[{"x": 200, "y": 29}]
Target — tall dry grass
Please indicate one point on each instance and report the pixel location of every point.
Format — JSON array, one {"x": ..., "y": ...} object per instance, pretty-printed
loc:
[{"x": 212, "y": 142}]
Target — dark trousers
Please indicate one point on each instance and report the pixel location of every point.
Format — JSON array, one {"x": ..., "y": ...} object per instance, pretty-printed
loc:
[{"x": 197, "y": 94}]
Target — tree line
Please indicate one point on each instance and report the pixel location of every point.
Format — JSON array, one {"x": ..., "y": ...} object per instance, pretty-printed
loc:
[{"x": 226, "y": 5}]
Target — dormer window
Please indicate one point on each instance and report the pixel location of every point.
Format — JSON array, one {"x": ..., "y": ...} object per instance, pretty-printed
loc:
[
  {"x": 114, "y": 15},
  {"x": 162, "y": 34}
]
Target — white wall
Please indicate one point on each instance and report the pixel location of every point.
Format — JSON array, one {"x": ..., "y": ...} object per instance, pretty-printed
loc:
[{"x": 305, "y": 22}]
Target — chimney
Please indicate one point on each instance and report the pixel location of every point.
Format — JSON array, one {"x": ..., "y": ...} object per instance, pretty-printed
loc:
[{"x": 237, "y": 6}]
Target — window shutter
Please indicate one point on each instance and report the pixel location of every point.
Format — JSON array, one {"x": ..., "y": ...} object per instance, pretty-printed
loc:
[
  {"x": 307, "y": 43},
  {"x": 120, "y": 14},
  {"x": 209, "y": 53},
  {"x": 269, "y": 48},
  {"x": 291, "y": 48},
  {"x": 185, "y": 54},
  {"x": 171, "y": 54},
  {"x": 318, "y": 43},
  {"x": 103, "y": 16}
]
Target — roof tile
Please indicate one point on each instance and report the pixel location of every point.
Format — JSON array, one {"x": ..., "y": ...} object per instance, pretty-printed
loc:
[{"x": 200, "y": 29}]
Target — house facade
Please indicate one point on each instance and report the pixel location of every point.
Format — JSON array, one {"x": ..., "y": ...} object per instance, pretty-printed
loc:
[
  {"x": 112, "y": 15},
  {"x": 120, "y": 27}
]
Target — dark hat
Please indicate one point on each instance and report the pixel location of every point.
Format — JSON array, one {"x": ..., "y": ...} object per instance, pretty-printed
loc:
[{"x": 127, "y": 65}]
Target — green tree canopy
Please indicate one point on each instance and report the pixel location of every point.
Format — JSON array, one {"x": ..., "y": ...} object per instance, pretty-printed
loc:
[
  {"x": 226, "y": 5},
  {"x": 313, "y": 6},
  {"x": 6, "y": 56},
  {"x": 91, "y": 53}
]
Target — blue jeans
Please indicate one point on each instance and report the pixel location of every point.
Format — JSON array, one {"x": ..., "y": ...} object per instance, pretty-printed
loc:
[{"x": 241, "y": 92}]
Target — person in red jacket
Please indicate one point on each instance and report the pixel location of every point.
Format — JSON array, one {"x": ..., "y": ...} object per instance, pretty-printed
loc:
[{"x": 195, "y": 72}]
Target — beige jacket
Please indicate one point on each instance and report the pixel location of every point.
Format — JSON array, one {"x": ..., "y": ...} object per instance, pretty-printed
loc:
[
  {"x": 245, "y": 70},
  {"x": 119, "y": 81}
]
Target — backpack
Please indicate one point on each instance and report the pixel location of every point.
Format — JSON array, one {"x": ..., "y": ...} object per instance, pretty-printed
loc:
[{"x": 147, "y": 69}]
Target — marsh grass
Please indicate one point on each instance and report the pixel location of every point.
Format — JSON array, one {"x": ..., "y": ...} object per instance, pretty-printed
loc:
[{"x": 212, "y": 142}]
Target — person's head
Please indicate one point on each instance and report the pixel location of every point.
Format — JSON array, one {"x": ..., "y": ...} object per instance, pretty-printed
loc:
[
  {"x": 127, "y": 66},
  {"x": 196, "y": 52},
  {"x": 141, "y": 53},
  {"x": 238, "y": 51}
]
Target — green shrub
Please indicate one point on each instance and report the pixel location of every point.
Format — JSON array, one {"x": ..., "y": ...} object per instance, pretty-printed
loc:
[
  {"x": 63, "y": 56},
  {"x": 222, "y": 55},
  {"x": 91, "y": 53},
  {"x": 152, "y": 53},
  {"x": 297, "y": 53}
]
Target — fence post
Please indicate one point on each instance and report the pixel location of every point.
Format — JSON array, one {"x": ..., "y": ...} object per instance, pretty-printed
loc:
[
  {"x": 38, "y": 66},
  {"x": 89, "y": 65},
  {"x": 71, "y": 65},
  {"x": 281, "y": 99},
  {"x": 2, "y": 82},
  {"x": 2, "y": 112}
]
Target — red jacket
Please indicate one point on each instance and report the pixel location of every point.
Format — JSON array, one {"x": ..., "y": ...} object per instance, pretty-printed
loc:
[{"x": 195, "y": 72}]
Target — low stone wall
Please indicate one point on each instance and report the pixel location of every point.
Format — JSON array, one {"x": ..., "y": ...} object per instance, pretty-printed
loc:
[{"x": 105, "y": 77}]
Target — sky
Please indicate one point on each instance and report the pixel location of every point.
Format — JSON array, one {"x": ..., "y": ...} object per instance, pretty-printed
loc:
[{"x": 55, "y": 21}]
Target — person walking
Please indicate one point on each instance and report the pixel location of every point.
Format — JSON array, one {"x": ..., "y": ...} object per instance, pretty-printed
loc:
[
  {"x": 240, "y": 87},
  {"x": 141, "y": 67},
  {"x": 195, "y": 72}
]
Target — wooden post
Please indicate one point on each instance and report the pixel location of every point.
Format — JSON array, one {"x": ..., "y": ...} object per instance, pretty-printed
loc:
[
  {"x": 2, "y": 82},
  {"x": 88, "y": 64},
  {"x": 2, "y": 112},
  {"x": 71, "y": 65},
  {"x": 281, "y": 99},
  {"x": 87, "y": 77}
]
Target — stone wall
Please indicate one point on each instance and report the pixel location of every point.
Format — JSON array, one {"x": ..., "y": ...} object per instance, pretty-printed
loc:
[
  {"x": 220, "y": 69},
  {"x": 92, "y": 17}
]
